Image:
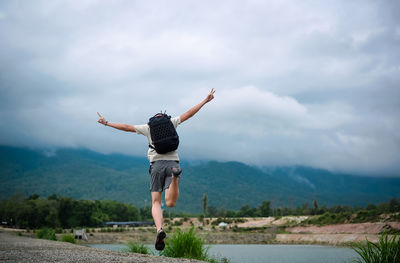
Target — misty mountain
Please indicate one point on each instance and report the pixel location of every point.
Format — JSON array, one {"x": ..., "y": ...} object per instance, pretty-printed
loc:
[{"x": 84, "y": 174}]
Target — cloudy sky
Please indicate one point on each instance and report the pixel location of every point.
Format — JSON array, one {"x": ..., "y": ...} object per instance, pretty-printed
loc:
[{"x": 313, "y": 83}]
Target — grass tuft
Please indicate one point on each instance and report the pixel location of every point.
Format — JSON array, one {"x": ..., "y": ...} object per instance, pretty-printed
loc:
[
  {"x": 387, "y": 250},
  {"x": 68, "y": 238},
  {"x": 137, "y": 248},
  {"x": 187, "y": 245},
  {"x": 46, "y": 233}
]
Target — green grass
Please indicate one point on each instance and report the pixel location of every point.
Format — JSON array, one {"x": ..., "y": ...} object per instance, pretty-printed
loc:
[
  {"x": 68, "y": 238},
  {"x": 46, "y": 233},
  {"x": 387, "y": 250},
  {"x": 329, "y": 218},
  {"x": 137, "y": 248},
  {"x": 187, "y": 245}
]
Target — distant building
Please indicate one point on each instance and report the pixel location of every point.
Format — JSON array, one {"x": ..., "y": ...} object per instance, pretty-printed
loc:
[
  {"x": 128, "y": 224},
  {"x": 80, "y": 234}
]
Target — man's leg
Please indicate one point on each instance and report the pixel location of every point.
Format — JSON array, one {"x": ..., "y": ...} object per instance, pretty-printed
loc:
[
  {"x": 172, "y": 193},
  {"x": 156, "y": 209},
  {"x": 158, "y": 219}
]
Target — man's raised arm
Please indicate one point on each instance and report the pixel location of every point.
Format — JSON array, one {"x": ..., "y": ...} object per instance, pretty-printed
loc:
[
  {"x": 196, "y": 108},
  {"x": 119, "y": 126}
]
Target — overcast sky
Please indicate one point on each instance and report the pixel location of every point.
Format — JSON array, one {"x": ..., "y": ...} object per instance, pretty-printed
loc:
[{"x": 313, "y": 83}]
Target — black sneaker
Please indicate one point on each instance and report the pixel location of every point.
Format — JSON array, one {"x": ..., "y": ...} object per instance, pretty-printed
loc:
[
  {"x": 176, "y": 172},
  {"x": 160, "y": 240}
]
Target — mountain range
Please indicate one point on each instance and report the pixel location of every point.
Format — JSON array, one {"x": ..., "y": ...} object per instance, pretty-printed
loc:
[{"x": 85, "y": 174}]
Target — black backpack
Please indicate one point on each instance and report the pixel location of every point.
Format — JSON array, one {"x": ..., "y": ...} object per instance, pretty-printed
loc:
[{"x": 163, "y": 134}]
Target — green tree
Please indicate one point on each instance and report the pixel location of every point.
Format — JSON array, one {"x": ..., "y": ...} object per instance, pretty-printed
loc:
[
  {"x": 66, "y": 212},
  {"x": 204, "y": 206},
  {"x": 33, "y": 197},
  {"x": 247, "y": 211},
  {"x": 229, "y": 213},
  {"x": 371, "y": 207},
  {"x": 145, "y": 213},
  {"x": 314, "y": 210},
  {"x": 212, "y": 211},
  {"x": 52, "y": 197},
  {"x": 394, "y": 205},
  {"x": 265, "y": 209},
  {"x": 223, "y": 213}
]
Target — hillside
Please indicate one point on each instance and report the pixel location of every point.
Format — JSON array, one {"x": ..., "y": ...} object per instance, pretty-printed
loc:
[{"x": 85, "y": 174}]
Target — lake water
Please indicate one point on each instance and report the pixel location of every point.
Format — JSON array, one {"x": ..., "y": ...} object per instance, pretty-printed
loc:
[{"x": 270, "y": 253}]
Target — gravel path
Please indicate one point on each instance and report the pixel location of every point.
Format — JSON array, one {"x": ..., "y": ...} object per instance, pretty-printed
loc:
[{"x": 15, "y": 248}]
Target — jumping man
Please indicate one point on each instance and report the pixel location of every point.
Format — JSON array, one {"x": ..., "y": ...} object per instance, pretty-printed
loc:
[{"x": 164, "y": 167}]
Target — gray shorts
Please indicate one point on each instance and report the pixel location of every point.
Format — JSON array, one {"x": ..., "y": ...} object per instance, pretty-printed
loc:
[{"x": 161, "y": 174}]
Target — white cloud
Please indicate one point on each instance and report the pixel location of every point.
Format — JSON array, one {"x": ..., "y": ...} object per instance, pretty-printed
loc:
[{"x": 297, "y": 83}]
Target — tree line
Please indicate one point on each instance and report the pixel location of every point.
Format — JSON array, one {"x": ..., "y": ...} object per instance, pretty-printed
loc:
[
  {"x": 58, "y": 211},
  {"x": 265, "y": 209}
]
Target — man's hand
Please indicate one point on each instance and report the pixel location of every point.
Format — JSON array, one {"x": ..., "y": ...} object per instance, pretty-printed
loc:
[
  {"x": 210, "y": 96},
  {"x": 119, "y": 126},
  {"x": 196, "y": 108},
  {"x": 101, "y": 119}
]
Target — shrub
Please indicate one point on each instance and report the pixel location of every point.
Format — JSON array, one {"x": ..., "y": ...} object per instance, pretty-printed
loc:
[
  {"x": 137, "y": 248},
  {"x": 330, "y": 218},
  {"x": 366, "y": 216},
  {"x": 386, "y": 251},
  {"x": 187, "y": 245},
  {"x": 68, "y": 238},
  {"x": 179, "y": 222},
  {"x": 235, "y": 228},
  {"x": 239, "y": 220},
  {"x": 46, "y": 233}
]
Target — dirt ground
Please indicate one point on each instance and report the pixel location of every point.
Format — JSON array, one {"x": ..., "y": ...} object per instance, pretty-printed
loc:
[
  {"x": 266, "y": 230},
  {"x": 362, "y": 228},
  {"x": 14, "y": 248}
]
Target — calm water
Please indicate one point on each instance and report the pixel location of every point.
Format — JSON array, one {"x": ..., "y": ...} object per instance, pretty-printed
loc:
[{"x": 270, "y": 253}]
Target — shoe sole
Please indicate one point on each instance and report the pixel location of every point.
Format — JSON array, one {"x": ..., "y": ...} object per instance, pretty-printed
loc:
[{"x": 160, "y": 244}]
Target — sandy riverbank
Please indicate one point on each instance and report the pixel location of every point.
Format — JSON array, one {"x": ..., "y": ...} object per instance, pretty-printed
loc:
[{"x": 15, "y": 248}]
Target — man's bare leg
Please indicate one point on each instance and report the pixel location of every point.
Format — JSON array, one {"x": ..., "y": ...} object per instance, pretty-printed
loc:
[
  {"x": 172, "y": 193},
  {"x": 156, "y": 209},
  {"x": 158, "y": 219}
]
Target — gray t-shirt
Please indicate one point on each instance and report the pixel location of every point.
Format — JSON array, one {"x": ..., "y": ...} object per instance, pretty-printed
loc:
[{"x": 152, "y": 154}]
